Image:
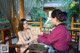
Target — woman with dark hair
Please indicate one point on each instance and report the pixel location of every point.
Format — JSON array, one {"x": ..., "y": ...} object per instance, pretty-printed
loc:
[
  {"x": 59, "y": 37},
  {"x": 24, "y": 34}
]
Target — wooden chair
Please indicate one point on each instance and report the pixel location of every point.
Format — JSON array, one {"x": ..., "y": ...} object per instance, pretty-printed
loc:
[
  {"x": 7, "y": 37},
  {"x": 35, "y": 30},
  {"x": 75, "y": 39}
]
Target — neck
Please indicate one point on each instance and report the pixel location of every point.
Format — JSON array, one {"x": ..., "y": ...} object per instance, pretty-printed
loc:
[
  {"x": 58, "y": 23},
  {"x": 25, "y": 29}
]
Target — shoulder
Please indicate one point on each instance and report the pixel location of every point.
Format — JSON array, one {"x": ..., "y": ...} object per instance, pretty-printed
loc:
[
  {"x": 19, "y": 32},
  {"x": 62, "y": 28},
  {"x": 59, "y": 28}
]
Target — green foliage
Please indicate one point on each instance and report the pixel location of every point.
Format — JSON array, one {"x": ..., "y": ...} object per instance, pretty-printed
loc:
[
  {"x": 73, "y": 10},
  {"x": 37, "y": 11}
]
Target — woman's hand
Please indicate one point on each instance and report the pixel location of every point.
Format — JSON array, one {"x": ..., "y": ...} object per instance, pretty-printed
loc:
[
  {"x": 34, "y": 39},
  {"x": 41, "y": 33}
]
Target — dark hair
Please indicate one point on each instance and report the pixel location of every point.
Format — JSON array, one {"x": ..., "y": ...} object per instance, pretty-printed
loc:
[
  {"x": 20, "y": 26},
  {"x": 61, "y": 16}
]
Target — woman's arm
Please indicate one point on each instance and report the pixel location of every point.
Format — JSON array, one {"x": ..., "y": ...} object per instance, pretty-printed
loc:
[
  {"x": 30, "y": 34},
  {"x": 31, "y": 37},
  {"x": 49, "y": 38}
]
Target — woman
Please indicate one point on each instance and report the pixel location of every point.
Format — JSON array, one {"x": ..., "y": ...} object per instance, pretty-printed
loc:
[
  {"x": 24, "y": 34},
  {"x": 59, "y": 37}
]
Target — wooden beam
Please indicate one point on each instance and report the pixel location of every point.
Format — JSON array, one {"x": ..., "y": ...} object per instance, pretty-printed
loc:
[
  {"x": 21, "y": 9},
  {"x": 33, "y": 22}
]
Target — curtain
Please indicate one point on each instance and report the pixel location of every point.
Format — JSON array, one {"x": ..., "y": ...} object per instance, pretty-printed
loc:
[
  {"x": 6, "y": 9},
  {"x": 28, "y": 4},
  {"x": 16, "y": 6}
]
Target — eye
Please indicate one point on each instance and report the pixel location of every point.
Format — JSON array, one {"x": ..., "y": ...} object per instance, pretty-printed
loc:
[{"x": 24, "y": 23}]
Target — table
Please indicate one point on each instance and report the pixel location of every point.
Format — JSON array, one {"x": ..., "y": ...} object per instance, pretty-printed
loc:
[
  {"x": 37, "y": 48},
  {"x": 79, "y": 44},
  {"x": 78, "y": 39}
]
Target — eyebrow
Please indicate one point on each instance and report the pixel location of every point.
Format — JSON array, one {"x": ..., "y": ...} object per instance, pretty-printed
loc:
[{"x": 26, "y": 22}]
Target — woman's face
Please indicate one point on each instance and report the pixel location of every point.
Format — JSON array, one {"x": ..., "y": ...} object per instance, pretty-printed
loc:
[
  {"x": 25, "y": 24},
  {"x": 54, "y": 20}
]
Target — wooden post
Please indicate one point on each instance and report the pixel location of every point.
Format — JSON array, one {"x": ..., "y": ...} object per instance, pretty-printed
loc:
[
  {"x": 72, "y": 24},
  {"x": 41, "y": 24},
  {"x": 14, "y": 18},
  {"x": 21, "y": 9},
  {"x": 18, "y": 50},
  {"x": 3, "y": 36},
  {"x": 13, "y": 9}
]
